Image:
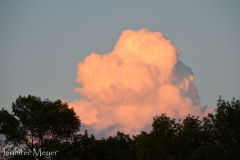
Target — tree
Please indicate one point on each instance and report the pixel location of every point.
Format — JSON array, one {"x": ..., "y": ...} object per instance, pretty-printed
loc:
[
  {"x": 34, "y": 121},
  {"x": 226, "y": 129},
  {"x": 191, "y": 135},
  {"x": 224, "y": 132},
  {"x": 117, "y": 147},
  {"x": 87, "y": 147},
  {"x": 158, "y": 144}
]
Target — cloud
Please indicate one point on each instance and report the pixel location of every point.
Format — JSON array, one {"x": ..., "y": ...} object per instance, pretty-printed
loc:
[{"x": 142, "y": 77}]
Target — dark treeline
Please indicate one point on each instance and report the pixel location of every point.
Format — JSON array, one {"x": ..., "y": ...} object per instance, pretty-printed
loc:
[{"x": 52, "y": 126}]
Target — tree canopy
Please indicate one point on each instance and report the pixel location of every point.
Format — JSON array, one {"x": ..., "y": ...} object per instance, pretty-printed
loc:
[
  {"x": 34, "y": 121},
  {"x": 53, "y": 125}
]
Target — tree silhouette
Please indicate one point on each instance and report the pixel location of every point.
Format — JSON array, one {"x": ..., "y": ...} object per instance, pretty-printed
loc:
[
  {"x": 34, "y": 121},
  {"x": 53, "y": 126}
]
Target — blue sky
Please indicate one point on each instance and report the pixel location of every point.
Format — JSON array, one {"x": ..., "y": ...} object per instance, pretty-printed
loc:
[{"x": 41, "y": 42}]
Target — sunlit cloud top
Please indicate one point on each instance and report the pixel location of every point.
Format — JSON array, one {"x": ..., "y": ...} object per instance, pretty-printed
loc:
[{"x": 142, "y": 77}]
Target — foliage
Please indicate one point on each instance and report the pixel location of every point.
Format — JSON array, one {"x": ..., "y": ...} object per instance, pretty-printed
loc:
[
  {"x": 214, "y": 137},
  {"x": 54, "y": 126},
  {"x": 34, "y": 121}
]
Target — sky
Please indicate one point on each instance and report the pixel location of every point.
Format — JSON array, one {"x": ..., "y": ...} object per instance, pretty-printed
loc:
[{"x": 42, "y": 44}]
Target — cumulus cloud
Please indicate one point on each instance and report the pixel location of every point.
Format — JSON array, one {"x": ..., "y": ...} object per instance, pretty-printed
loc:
[{"x": 142, "y": 77}]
